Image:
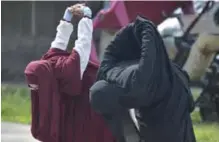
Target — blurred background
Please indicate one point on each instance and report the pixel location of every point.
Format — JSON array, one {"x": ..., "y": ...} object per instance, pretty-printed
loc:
[
  {"x": 190, "y": 30},
  {"x": 27, "y": 36}
]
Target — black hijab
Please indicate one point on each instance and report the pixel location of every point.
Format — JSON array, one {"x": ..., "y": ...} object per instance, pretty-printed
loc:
[{"x": 139, "y": 43}]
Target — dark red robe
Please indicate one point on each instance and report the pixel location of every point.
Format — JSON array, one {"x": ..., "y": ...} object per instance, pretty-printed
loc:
[{"x": 61, "y": 110}]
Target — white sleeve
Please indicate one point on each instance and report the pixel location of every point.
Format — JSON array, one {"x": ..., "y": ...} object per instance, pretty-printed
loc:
[
  {"x": 83, "y": 43},
  {"x": 64, "y": 31}
]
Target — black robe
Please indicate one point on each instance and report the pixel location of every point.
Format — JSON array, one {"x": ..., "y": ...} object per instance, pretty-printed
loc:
[{"x": 137, "y": 73}]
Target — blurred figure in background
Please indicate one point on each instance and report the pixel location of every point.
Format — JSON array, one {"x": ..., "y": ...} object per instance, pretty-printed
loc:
[
  {"x": 205, "y": 48},
  {"x": 216, "y": 17},
  {"x": 201, "y": 55},
  {"x": 60, "y": 83}
]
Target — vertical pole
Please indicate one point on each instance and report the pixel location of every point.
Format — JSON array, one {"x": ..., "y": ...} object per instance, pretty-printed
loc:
[{"x": 33, "y": 18}]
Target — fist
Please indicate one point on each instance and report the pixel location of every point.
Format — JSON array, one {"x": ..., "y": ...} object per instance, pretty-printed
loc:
[
  {"x": 80, "y": 10},
  {"x": 77, "y": 10},
  {"x": 87, "y": 12}
]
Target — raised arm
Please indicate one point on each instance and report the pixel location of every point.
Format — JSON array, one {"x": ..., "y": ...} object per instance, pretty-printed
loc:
[
  {"x": 142, "y": 80},
  {"x": 79, "y": 57},
  {"x": 64, "y": 30},
  {"x": 71, "y": 68},
  {"x": 83, "y": 43},
  {"x": 121, "y": 48},
  {"x": 145, "y": 33}
]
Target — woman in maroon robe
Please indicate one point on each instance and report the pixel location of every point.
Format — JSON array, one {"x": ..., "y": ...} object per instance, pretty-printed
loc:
[{"x": 60, "y": 83}]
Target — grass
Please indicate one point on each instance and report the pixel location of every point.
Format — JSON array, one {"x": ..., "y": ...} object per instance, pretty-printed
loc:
[
  {"x": 15, "y": 103},
  {"x": 204, "y": 132},
  {"x": 16, "y": 108}
]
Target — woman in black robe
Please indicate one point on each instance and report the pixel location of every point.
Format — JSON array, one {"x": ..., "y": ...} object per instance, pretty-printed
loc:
[{"x": 137, "y": 73}]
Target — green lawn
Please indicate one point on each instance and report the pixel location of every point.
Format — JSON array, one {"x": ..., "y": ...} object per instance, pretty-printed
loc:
[
  {"x": 15, "y": 104},
  {"x": 16, "y": 108}
]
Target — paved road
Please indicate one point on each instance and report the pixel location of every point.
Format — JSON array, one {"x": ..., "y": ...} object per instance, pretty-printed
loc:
[{"x": 11, "y": 132}]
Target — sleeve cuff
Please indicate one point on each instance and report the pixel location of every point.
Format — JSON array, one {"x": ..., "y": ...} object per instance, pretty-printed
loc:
[{"x": 67, "y": 15}]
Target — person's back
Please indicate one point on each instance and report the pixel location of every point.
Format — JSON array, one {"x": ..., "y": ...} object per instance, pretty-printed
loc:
[
  {"x": 72, "y": 77},
  {"x": 169, "y": 118},
  {"x": 165, "y": 113},
  {"x": 156, "y": 88}
]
